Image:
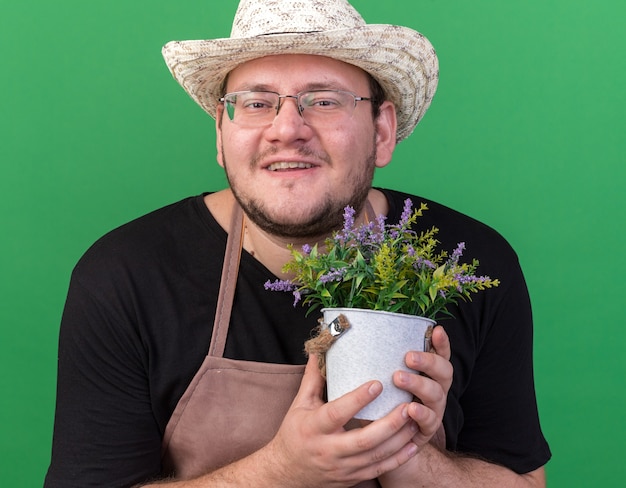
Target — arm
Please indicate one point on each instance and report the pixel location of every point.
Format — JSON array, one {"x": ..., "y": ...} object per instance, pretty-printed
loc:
[
  {"x": 104, "y": 429},
  {"x": 431, "y": 466},
  {"x": 444, "y": 469}
]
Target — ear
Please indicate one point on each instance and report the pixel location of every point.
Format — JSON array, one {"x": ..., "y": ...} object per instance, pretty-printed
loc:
[
  {"x": 386, "y": 125},
  {"x": 218, "y": 134}
]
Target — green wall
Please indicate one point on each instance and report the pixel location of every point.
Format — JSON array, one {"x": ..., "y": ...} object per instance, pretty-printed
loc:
[{"x": 526, "y": 133}]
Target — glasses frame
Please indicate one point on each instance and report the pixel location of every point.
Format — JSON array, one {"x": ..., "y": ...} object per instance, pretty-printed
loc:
[{"x": 297, "y": 97}]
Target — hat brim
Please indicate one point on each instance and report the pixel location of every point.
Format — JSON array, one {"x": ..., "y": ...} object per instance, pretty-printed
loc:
[{"x": 402, "y": 60}]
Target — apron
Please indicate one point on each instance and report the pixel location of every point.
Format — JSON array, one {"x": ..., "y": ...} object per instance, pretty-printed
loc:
[{"x": 231, "y": 408}]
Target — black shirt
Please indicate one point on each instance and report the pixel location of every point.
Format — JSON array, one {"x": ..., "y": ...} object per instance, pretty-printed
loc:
[{"x": 138, "y": 321}]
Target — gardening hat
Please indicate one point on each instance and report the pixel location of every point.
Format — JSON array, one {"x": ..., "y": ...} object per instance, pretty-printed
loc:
[{"x": 402, "y": 60}]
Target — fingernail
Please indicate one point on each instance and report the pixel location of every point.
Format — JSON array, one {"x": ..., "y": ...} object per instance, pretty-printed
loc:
[
  {"x": 403, "y": 377},
  {"x": 405, "y": 412},
  {"x": 412, "y": 450},
  {"x": 375, "y": 388}
]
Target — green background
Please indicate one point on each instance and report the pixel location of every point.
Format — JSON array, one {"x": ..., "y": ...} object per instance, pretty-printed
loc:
[{"x": 526, "y": 133}]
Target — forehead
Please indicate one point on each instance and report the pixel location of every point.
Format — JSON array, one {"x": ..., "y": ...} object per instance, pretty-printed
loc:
[{"x": 296, "y": 72}]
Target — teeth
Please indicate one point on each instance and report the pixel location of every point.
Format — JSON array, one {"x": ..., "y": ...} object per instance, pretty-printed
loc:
[{"x": 288, "y": 165}]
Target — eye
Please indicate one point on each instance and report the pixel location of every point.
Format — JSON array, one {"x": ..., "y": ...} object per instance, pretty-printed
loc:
[
  {"x": 254, "y": 104},
  {"x": 321, "y": 100},
  {"x": 325, "y": 102}
]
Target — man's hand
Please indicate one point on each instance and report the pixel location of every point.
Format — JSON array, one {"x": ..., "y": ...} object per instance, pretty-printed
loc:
[
  {"x": 432, "y": 467},
  {"x": 431, "y": 387},
  {"x": 313, "y": 449}
]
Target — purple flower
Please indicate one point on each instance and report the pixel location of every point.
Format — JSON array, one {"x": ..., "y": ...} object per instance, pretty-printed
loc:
[
  {"x": 284, "y": 285},
  {"x": 457, "y": 253},
  {"x": 407, "y": 212},
  {"x": 380, "y": 236},
  {"x": 424, "y": 263},
  {"x": 279, "y": 285},
  {"x": 332, "y": 275},
  {"x": 465, "y": 279},
  {"x": 365, "y": 234},
  {"x": 306, "y": 249},
  {"x": 469, "y": 280},
  {"x": 348, "y": 221}
]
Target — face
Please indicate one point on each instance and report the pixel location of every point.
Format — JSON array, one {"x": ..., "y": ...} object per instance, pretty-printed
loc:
[{"x": 291, "y": 179}]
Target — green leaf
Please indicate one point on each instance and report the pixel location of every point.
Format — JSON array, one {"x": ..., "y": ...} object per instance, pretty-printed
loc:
[
  {"x": 432, "y": 292},
  {"x": 439, "y": 272}
]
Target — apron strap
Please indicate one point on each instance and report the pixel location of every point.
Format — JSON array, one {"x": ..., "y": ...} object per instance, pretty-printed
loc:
[
  {"x": 228, "y": 282},
  {"x": 230, "y": 270},
  {"x": 370, "y": 214}
]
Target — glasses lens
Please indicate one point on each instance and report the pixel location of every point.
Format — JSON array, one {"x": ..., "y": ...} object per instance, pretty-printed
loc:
[
  {"x": 230, "y": 107},
  {"x": 251, "y": 108},
  {"x": 326, "y": 101},
  {"x": 326, "y": 105}
]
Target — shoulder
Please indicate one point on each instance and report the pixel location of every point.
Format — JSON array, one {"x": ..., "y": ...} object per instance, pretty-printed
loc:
[
  {"x": 453, "y": 225},
  {"x": 497, "y": 258},
  {"x": 173, "y": 231}
]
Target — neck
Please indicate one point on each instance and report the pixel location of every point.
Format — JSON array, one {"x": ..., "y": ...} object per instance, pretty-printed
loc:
[{"x": 272, "y": 251}]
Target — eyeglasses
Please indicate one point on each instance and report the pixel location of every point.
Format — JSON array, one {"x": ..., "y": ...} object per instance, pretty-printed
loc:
[{"x": 316, "y": 107}]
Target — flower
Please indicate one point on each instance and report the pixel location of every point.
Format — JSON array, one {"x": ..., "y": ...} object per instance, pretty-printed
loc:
[{"x": 382, "y": 267}]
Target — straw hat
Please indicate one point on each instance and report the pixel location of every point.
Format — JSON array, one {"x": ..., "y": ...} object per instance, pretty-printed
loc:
[{"x": 402, "y": 60}]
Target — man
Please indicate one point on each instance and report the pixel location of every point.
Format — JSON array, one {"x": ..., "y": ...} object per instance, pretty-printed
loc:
[{"x": 308, "y": 101}]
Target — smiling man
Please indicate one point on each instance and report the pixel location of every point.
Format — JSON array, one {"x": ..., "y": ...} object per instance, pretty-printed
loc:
[
  {"x": 177, "y": 367},
  {"x": 293, "y": 164}
]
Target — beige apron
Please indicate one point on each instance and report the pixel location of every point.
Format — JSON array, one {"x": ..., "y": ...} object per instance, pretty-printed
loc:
[{"x": 231, "y": 408}]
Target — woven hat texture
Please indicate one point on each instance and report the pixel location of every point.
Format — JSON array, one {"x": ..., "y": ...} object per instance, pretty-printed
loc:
[{"x": 402, "y": 60}]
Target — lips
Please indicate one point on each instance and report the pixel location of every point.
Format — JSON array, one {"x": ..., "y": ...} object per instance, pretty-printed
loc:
[{"x": 282, "y": 165}]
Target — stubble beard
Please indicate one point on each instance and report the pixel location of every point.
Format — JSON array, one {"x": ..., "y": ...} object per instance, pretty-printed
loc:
[{"x": 323, "y": 220}]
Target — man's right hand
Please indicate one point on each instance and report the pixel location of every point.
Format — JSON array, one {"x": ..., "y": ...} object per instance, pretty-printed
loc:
[{"x": 313, "y": 449}]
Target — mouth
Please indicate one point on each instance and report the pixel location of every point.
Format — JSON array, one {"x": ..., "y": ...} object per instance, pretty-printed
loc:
[{"x": 287, "y": 165}]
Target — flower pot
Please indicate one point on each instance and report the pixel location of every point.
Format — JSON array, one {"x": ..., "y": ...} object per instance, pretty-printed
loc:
[{"x": 373, "y": 348}]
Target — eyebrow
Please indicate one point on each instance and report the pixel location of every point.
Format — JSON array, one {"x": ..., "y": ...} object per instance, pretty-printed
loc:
[{"x": 307, "y": 87}]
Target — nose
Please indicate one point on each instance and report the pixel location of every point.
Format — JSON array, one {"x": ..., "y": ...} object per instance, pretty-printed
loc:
[{"x": 288, "y": 125}]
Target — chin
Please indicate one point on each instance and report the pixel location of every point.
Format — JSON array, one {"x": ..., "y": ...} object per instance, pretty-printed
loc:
[{"x": 316, "y": 221}]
